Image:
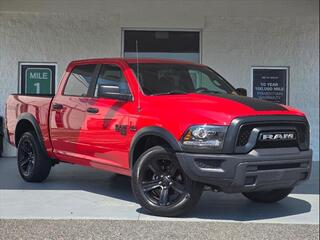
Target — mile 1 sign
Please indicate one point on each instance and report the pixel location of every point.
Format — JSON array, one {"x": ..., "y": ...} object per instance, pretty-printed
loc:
[{"x": 37, "y": 78}]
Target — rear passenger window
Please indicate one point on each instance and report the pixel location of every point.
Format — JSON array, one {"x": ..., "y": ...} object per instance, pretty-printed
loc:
[
  {"x": 112, "y": 75},
  {"x": 79, "y": 80}
]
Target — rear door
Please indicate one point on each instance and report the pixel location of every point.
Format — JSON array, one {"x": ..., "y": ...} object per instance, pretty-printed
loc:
[{"x": 68, "y": 114}]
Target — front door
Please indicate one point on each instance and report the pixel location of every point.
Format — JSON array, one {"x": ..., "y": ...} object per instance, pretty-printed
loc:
[{"x": 107, "y": 122}]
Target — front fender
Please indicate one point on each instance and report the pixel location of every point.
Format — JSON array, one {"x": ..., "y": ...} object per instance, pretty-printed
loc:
[{"x": 154, "y": 131}]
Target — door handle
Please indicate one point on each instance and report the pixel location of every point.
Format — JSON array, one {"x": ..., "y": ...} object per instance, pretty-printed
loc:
[
  {"x": 92, "y": 110},
  {"x": 57, "y": 106}
]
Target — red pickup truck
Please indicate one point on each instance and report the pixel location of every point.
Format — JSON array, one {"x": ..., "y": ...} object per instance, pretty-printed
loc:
[{"x": 173, "y": 126}]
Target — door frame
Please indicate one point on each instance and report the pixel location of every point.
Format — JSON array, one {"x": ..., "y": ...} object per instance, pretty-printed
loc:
[{"x": 199, "y": 30}]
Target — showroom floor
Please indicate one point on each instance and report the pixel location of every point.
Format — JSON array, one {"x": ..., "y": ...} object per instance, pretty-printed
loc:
[{"x": 74, "y": 192}]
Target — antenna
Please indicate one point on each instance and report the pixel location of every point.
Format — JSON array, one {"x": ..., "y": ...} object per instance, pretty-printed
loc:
[{"x": 138, "y": 73}]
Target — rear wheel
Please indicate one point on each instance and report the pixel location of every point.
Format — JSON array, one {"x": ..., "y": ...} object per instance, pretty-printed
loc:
[
  {"x": 33, "y": 164},
  {"x": 160, "y": 186},
  {"x": 268, "y": 196}
]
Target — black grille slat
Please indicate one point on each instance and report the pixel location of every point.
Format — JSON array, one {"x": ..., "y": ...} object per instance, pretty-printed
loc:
[
  {"x": 276, "y": 144},
  {"x": 244, "y": 135},
  {"x": 278, "y": 166}
]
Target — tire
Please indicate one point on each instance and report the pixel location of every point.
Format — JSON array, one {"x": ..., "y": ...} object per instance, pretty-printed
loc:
[
  {"x": 268, "y": 196},
  {"x": 160, "y": 186},
  {"x": 33, "y": 164}
]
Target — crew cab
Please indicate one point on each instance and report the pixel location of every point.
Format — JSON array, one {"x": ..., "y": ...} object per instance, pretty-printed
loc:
[{"x": 175, "y": 127}]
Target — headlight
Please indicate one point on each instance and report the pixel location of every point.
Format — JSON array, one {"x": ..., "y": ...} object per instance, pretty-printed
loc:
[{"x": 205, "y": 136}]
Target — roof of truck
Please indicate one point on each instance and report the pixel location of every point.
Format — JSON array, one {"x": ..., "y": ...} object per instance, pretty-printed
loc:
[{"x": 132, "y": 60}]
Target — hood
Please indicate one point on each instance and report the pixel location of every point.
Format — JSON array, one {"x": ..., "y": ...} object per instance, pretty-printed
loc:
[{"x": 218, "y": 109}]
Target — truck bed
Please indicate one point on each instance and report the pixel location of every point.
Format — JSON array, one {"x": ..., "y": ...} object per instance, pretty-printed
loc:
[{"x": 36, "y": 105}]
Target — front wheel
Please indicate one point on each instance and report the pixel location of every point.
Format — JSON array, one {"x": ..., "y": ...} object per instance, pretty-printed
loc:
[
  {"x": 268, "y": 196},
  {"x": 160, "y": 186}
]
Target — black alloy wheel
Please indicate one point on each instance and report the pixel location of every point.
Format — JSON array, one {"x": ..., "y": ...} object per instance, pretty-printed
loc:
[
  {"x": 33, "y": 163},
  {"x": 163, "y": 183},
  {"x": 160, "y": 185},
  {"x": 26, "y": 157}
]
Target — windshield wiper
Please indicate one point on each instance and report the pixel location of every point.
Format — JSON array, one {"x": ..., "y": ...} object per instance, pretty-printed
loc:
[
  {"x": 169, "y": 93},
  {"x": 207, "y": 91}
]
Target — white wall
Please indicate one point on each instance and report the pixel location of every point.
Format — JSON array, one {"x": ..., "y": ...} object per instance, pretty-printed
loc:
[{"x": 236, "y": 35}]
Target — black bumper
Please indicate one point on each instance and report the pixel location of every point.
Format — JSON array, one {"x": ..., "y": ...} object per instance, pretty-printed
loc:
[{"x": 260, "y": 169}]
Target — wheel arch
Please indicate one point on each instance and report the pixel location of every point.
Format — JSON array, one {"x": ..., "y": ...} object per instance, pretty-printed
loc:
[
  {"x": 25, "y": 122},
  {"x": 159, "y": 134}
]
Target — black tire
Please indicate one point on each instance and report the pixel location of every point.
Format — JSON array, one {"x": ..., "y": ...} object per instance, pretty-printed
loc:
[
  {"x": 33, "y": 164},
  {"x": 160, "y": 186},
  {"x": 268, "y": 196}
]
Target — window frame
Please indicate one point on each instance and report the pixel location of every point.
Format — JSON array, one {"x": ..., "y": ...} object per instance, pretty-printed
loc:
[
  {"x": 94, "y": 76},
  {"x": 199, "y": 30}
]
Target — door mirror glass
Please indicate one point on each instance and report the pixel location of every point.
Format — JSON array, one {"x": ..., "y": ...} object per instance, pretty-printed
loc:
[
  {"x": 108, "y": 89},
  {"x": 241, "y": 91},
  {"x": 113, "y": 92}
]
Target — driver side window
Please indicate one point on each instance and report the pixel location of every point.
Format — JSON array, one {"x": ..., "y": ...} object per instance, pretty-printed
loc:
[{"x": 112, "y": 75}]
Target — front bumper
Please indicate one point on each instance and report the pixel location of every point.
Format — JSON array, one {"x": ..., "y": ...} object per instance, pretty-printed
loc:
[{"x": 260, "y": 169}]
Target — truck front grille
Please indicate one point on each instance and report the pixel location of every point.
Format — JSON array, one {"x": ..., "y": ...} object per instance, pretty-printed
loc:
[{"x": 299, "y": 128}]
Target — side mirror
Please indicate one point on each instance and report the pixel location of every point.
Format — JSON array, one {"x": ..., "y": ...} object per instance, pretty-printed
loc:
[
  {"x": 113, "y": 92},
  {"x": 241, "y": 91}
]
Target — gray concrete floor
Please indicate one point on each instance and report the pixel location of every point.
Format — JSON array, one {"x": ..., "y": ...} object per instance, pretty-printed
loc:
[
  {"x": 75, "y": 192},
  {"x": 113, "y": 229}
]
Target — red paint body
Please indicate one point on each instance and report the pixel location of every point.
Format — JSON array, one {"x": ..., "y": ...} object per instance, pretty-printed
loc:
[{"x": 74, "y": 135}]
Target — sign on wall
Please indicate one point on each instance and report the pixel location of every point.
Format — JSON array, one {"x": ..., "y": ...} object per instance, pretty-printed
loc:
[
  {"x": 37, "y": 78},
  {"x": 270, "y": 83}
]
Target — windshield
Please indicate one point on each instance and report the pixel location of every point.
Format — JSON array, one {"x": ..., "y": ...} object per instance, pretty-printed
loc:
[{"x": 158, "y": 78}]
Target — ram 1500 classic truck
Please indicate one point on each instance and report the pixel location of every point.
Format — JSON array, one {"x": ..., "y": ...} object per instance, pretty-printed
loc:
[{"x": 173, "y": 126}]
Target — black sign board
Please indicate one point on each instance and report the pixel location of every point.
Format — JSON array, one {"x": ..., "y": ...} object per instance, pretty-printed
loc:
[
  {"x": 37, "y": 78},
  {"x": 270, "y": 83}
]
